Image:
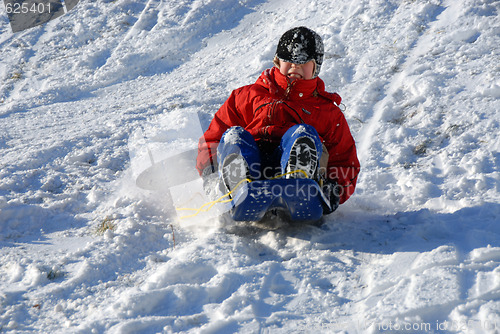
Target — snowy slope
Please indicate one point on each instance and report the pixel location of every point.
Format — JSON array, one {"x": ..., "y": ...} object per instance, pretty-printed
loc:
[{"x": 416, "y": 249}]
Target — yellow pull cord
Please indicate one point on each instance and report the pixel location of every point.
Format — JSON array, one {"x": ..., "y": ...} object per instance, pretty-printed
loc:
[
  {"x": 212, "y": 203},
  {"x": 222, "y": 200},
  {"x": 289, "y": 173}
]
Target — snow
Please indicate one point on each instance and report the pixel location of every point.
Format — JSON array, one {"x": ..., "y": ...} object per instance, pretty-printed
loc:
[{"x": 83, "y": 249}]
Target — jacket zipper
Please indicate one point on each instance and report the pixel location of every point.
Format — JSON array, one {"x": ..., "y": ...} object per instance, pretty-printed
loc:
[
  {"x": 275, "y": 103},
  {"x": 273, "y": 108},
  {"x": 289, "y": 88}
]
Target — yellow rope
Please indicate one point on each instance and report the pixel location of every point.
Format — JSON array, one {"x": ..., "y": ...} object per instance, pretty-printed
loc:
[
  {"x": 212, "y": 203},
  {"x": 292, "y": 172},
  {"x": 222, "y": 200}
]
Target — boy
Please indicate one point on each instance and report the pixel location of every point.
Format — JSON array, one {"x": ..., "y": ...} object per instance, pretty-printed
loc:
[{"x": 285, "y": 124}]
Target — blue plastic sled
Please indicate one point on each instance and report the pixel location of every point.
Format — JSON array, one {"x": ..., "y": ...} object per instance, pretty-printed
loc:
[{"x": 301, "y": 199}]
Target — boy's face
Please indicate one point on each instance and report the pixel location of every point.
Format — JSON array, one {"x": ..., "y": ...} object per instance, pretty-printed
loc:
[{"x": 297, "y": 71}]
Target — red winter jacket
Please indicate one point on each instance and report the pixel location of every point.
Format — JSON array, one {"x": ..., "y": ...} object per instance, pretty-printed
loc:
[{"x": 268, "y": 108}]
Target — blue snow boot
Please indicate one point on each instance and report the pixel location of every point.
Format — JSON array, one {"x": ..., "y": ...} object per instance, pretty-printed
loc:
[
  {"x": 302, "y": 150},
  {"x": 239, "y": 158},
  {"x": 234, "y": 171}
]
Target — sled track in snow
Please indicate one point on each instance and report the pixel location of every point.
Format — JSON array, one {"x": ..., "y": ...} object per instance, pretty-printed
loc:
[
  {"x": 21, "y": 77},
  {"x": 392, "y": 82},
  {"x": 102, "y": 72}
]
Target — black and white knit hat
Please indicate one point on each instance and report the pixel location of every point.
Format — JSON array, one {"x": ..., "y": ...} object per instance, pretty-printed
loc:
[{"x": 300, "y": 45}]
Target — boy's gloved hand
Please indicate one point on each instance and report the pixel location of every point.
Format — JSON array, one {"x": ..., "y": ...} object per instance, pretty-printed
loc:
[
  {"x": 331, "y": 190},
  {"x": 211, "y": 182}
]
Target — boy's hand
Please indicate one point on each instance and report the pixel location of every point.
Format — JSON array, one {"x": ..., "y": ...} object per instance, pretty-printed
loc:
[{"x": 331, "y": 190}]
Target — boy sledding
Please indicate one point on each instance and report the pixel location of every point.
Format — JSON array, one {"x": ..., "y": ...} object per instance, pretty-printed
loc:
[{"x": 281, "y": 132}]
